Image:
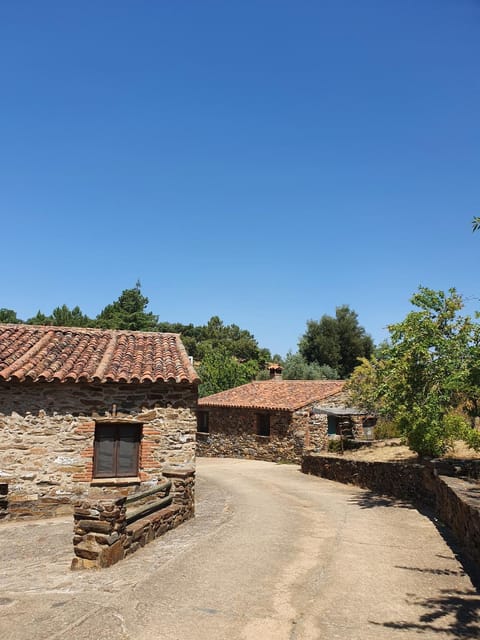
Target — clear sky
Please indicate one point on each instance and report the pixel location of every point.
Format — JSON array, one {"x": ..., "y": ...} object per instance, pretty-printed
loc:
[{"x": 265, "y": 160}]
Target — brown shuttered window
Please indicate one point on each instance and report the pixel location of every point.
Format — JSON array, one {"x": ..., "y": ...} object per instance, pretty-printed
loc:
[{"x": 116, "y": 450}]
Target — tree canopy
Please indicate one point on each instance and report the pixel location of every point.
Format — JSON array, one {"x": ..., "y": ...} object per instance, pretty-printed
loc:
[
  {"x": 128, "y": 312},
  {"x": 219, "y": 371},
  {"x": 9, "y": 316},
  {"x": 297, "y": 368},
  {"x": 336, "y": 341},
  {"x": 428, "y": 372}
]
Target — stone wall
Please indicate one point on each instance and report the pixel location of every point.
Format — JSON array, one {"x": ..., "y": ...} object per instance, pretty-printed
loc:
[
  {"x": 458, "y": 506},
  {"x": 411, "y": 482},
  {"x": 232, "y": 433},
  {"x": 102, "y": 536},
  {"x": 456, "y": 501},
  {"x": 48, "y": 430}
]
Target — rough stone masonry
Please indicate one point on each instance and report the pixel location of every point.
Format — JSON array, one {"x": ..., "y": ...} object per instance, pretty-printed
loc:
[{"x": 46, "y": 460}]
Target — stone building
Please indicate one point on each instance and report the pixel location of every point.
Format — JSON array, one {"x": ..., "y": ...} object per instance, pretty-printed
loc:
[
  {"x": 269, "y": 420},
  {"x": 85, "y": 411}
]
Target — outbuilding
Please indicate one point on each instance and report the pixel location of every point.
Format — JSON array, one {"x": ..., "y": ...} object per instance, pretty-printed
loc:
[
  {"x": 89, "y": 409},
  {"x": 268, "y": 420}
]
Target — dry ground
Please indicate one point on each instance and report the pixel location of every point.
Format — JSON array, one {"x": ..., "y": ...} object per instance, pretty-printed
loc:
[{"x": 392, "y": 450}]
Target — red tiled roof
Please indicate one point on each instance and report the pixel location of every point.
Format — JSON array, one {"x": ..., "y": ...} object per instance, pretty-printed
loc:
[
  {"x": 282, "y": 395},
  {"x": 69, "y": 354}
]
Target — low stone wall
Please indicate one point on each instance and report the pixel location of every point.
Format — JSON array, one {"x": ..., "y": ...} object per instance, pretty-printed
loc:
[
  {"x": 458, "y": 468},
  {"x": 458, "y": 506},
  {"x": 455, "y": 500},
  {"x": 411, "y": 482},
  {"x": 102, "y": 536}
]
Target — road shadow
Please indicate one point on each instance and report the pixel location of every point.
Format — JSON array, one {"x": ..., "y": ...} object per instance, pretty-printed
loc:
[
  {"x": 455, "y": 614},
  {"x": 435, "y": 572},
  {"x": 371, "y": 500}
]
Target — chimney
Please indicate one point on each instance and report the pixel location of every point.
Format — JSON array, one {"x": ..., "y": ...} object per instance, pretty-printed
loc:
[{"x": 275, "y": 370}]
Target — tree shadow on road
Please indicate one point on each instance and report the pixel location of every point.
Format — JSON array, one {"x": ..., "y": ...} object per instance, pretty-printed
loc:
[
  {"x": 455, "y": 614},
  {"x": 435, "y": 572},
  {"x": 370, "y": 500}
]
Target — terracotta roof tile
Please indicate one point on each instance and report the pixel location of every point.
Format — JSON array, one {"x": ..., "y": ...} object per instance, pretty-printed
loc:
[
  {"x": 281, "y": 395},
  {"x": 68, "y": 354}
]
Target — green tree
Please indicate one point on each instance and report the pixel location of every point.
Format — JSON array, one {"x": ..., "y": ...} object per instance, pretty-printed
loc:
[
  {"x": 40, "y": 318},
  {"x": 9, "y": 316},
  {"x": 337, "y": 342},
  {"x": 128, "y": 312},
  {"x": 425, "y": 375},
  {"x": 476, "y": 223},
  {"x": 239, "y": 343},
  {"x": 297, "y": 368},
  {"x": 219, "y": 371},
  {"x": 65, "y": 317}
]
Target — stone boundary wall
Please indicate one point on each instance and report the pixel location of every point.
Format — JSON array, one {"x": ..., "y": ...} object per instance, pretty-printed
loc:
[
  {"x": 458, "y": 506},
  {"x": 458, "y": 468},
  {"x": 456, "y": 501},
  {"x": 411, "y": 482},
  {"x": 102, "y": 536}
]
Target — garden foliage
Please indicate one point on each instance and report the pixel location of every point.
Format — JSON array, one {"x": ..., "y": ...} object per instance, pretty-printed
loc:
[{"x": 427, "y": 379}]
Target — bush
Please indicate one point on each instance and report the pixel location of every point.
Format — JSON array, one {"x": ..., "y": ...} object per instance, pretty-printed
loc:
[
  {"x": 386, "y": 429},
  {"x": 335, "y": 445}
]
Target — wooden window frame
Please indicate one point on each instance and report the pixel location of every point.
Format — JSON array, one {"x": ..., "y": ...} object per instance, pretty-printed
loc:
[{"x": 115, "y": 428}]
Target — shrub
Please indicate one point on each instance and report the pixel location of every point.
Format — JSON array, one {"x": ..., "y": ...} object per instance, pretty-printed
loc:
[
  {"x": 386, "y": 429},
  {"x": 335, "y": 445}
]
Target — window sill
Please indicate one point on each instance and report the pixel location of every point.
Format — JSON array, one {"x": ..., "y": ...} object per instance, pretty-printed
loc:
[{"x": 114, "y": 482}]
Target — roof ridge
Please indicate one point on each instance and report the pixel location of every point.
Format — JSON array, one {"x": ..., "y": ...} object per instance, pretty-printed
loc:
[{"x": 54, "y": 327}]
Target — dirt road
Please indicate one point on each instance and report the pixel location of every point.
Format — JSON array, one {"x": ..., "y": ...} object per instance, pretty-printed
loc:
[{"x": 272, "y": 554}]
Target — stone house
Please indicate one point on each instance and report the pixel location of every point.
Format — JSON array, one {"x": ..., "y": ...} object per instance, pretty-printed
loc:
[
  {"x": 86, "y": 411},
  {"x": 269, "y": 420}
]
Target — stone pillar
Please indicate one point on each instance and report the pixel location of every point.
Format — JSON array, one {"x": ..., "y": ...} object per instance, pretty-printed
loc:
[
  {"x": 3, "y": 499},
  {"x": 183, "y": 489},
  {"x": 99, "y": 532}
]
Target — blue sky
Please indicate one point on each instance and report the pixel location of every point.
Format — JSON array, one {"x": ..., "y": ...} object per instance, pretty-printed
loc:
[{"x": 264, "y": 161}]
